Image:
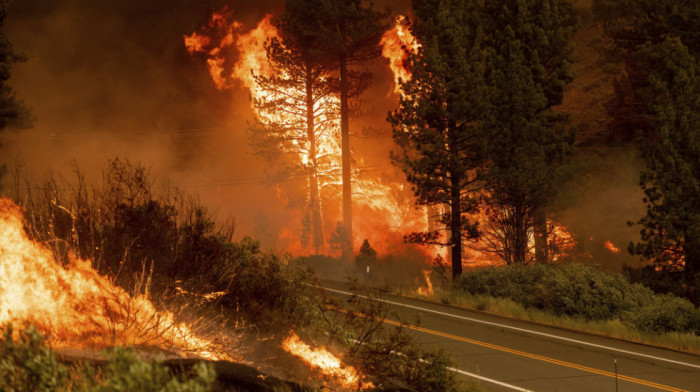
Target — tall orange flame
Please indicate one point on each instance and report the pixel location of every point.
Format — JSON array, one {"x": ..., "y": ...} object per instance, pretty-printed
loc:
[
  {"x": 385, "y": 207},
  {"x": 74, "y": 305},
  {"x": 398, "y": 44}
]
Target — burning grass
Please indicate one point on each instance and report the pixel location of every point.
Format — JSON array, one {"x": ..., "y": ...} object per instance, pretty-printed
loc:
[
  {"x": 327, "y": 363},
  {"x": 150, "y": 247},
  {"x": 77, "y": 307}
]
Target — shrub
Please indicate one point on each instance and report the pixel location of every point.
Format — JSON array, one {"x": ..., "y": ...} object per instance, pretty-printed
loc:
[
  {"x": 126, "y": 372},
  {"x": 580, "y": 291},
  {"x": 27, "y": 365},
  {"x": 394, "y": 353}
]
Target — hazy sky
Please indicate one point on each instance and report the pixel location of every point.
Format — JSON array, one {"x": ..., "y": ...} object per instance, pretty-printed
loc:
[{"x": 112, "y": 78}]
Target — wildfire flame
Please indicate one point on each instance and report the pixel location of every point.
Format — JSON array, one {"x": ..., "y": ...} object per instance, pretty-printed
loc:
[
  {"x": 74, "y": 305},
  {"x": 236, "y": 57},
  {"x": 326, "y": 362},
  {"x": 217, "y": 41},
  {"x": 398, "y": 44},
  {"x": 611, "y": 247},
  {"x": 428, "y": 289}
]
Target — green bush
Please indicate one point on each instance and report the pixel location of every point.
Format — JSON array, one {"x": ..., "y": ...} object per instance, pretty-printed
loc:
[
  {"x": 27, "y": 365},
  {"x": 126, "y": 372},
  {"x": 580, "y": 291}
]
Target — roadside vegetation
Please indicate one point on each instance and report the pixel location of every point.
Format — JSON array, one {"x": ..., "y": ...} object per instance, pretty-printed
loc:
[
  {"x": 581, "y": 298},
  {"x": 26, "y": 364},
  {"x": 161, "y": 243}
]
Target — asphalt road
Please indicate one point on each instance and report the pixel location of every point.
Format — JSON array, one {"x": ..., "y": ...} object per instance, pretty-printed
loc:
[{"x": 510, "y": 355}]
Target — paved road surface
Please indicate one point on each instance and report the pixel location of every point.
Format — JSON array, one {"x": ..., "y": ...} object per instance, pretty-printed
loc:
[{"x": 510, "y": 355}]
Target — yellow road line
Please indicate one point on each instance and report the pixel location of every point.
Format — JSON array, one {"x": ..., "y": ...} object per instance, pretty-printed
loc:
[{"x": 538, "y": 357}]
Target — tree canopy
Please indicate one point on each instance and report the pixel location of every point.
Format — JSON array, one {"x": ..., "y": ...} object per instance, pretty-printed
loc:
[
  {"x": 438, "y": 123},
  {"x": 671, "y": 149},
  {"x": 297, "y": 113},
  {"x": 529, "y": 42}
]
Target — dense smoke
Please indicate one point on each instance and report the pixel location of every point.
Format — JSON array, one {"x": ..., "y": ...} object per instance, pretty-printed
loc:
[
  {"x": 113, "y": 79},
  {"x": 107, "y": 79}
]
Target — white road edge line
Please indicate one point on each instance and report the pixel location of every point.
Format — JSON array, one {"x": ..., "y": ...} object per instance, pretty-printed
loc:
[
  {"x": 519, "y": 329},
  {"x": 486, "y": 379}
]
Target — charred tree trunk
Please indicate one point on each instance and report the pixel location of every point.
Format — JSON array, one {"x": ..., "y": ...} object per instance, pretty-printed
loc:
[
  {"x": 316, "y": 216},
  {"x": 541, "y": 236},
  {"x": 314, "y": 201},
  {"x": 692, "y": 260},
  {"x": 456, "y": 226},
  {"x": 455, "y": 205},
  {"x": 521, "y": 235},
  {"x": 345, "y": 152}
]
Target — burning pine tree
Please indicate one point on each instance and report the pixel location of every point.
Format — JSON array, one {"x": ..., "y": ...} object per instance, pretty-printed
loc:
[{"x": 298, "y": 115}]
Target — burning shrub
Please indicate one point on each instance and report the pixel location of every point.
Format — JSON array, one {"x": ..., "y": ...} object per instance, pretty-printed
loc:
[{"x": 155, "y": 242}]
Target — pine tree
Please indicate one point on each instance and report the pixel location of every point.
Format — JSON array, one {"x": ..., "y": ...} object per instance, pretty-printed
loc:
[
  {"x": 367, "y": 255},
  {"x": 13, "y": 112},
  {"x": 351, "y": 31},
  {"x": 656, "y": 98},
  {"x": 671, "y": 149},
  {"x": 438, "y": 123},
  {"x": 297, "y": 115},
  {"x": 529, "y": 42},
  {"x": 629, "y": 25}
]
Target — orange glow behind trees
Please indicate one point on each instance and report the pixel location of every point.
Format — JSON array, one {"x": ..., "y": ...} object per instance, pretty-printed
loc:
[{"x": 384, "y": 209}]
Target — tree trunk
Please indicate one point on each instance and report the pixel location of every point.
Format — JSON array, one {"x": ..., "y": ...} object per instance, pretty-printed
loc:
[
  {"x": 456, "y": 226},
  {"x": 541, "y": 236},
  {"x": 692, "y": 260},
  {"x": 521, "y": 236},
  {"x": 314, "y": 202},
  {"x": 345, "y": 151},
  {"x": 316, "y": 216}
]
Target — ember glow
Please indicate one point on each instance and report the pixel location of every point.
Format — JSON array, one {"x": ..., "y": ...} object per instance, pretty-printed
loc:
[
  {"x": 326, "y": 362},
  {"x": 76, "y": 307},
  {"x": 611, "y": 247}
]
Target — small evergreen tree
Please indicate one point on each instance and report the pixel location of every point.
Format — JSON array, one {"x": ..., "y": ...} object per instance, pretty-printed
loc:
[{"x": 367, "y": 254}]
